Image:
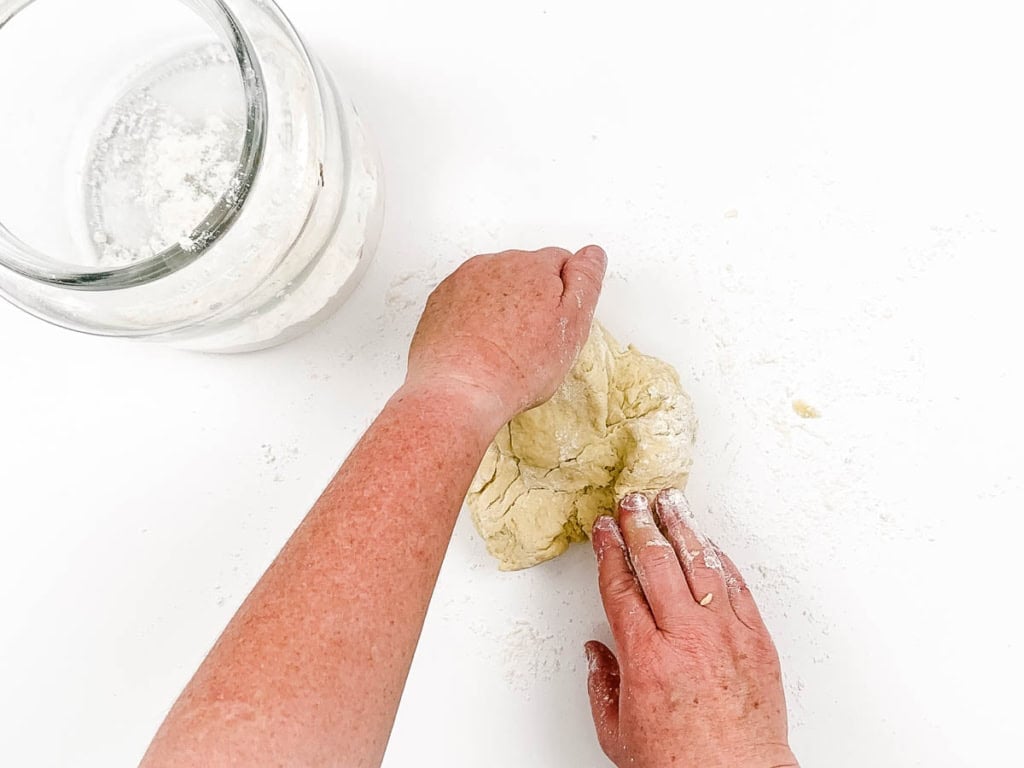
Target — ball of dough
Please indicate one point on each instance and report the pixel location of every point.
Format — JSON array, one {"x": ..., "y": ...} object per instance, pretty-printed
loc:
[{"x": 620, "y": 423}]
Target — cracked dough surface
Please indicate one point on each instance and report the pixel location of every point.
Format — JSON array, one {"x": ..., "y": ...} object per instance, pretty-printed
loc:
[{"x": 620, "y": 423}]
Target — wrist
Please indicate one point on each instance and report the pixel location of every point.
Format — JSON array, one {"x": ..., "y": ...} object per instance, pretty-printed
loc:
[
  {"x": 777, "y": 757},
  {"x": 462, "y": 402}
]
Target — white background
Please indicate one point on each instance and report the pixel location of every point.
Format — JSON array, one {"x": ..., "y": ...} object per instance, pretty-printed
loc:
[{"x": 814, "y": 200}]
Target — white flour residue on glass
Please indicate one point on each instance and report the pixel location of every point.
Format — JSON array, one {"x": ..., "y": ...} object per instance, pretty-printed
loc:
[{"x": 164, "y": 158}]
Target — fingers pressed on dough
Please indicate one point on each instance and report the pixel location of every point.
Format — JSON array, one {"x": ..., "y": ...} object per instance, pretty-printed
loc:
[
  {"x": 655, "y": 562},
  {"x": 553, "y": 469},
  {"x": 628, "y": 613}
]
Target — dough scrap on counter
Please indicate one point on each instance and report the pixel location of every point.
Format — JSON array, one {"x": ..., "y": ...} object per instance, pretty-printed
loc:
[{"x": 620, "y": 423}]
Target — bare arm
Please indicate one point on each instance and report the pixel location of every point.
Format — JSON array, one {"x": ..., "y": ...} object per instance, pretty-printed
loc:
[{"x": 311, "y": 669}]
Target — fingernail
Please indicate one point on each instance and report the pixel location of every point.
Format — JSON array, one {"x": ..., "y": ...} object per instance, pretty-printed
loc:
[
  {"x": 634, "y": 502},
  {"x": 638, "y": 509},
  {"x": 596, "y": 252},
  {"x": 673, "y": 508},
  {"x": 608, "y": 525},
  {"x": 675, "y": 499}
]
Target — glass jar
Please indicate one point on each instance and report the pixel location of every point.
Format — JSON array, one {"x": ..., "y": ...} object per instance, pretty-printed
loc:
[{"x": 177, "y": 170}]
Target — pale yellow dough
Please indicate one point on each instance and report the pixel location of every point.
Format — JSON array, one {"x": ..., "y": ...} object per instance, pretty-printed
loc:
[{"x": 620, "y": 423}]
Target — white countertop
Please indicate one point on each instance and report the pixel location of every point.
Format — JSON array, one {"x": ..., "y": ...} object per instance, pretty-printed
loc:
[{"x": 817, "y": 201}]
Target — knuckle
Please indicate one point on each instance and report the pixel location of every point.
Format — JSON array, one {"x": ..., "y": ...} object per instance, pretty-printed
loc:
[
  {"x": 555, "y": 252},
  {"x": 618, "y": 587},
  {"x": 468, "y": 265},
  {"x": 738, "y": 584},
  {"x": 659, "y": 566},
  {"x": 698, "y": 642},
  {"x": 659, "y": 554},
  {"x": 706, "y": 574},
  {"x": 438, "y": 294}
]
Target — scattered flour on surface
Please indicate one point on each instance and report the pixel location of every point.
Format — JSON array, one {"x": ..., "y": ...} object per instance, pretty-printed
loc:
[
  {"x": 410, "y": 290},
  {"x": 531, "y": 655}
]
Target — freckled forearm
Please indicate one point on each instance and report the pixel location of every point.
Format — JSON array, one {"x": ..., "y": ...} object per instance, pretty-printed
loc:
[
  {"x": 310, "y": 670},
  {"x": 396, "y": 499},
  {"x": 323, "y": 644}
]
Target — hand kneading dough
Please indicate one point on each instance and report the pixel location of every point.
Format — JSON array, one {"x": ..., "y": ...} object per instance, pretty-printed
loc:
[{"x": 620, "y": 423}]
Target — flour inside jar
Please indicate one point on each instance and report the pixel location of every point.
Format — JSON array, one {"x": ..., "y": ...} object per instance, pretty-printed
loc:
[{"x": 165, "y": 154}]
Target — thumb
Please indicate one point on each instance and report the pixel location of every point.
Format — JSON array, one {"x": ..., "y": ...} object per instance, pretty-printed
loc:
[
  {"x": 582, "y": 278},
  {"x": 603, "y": 686}
]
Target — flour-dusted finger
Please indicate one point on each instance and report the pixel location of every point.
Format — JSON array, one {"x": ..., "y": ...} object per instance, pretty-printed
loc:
[
  {"x": 627, "y": 610},
  {"x": 655, "y": 563},
  {"x": 582, "y": 278},
  {"x": 740, "y": 597},
  {"x": 698, "y": 557},
  {"x": 603, "y": 686}
]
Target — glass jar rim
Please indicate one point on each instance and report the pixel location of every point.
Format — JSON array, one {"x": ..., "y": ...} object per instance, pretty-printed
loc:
[{"x": 22, "y": 259}]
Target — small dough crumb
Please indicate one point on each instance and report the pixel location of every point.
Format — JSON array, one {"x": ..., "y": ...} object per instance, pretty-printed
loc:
[
  {"x": 805, "y": 410},
  {"x": 620, "y": 423}
]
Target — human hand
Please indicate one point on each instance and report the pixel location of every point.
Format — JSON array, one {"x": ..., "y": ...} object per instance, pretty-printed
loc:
[
  {"x": 507, "y": 327},
  {"x": 697, "y": 681}
]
